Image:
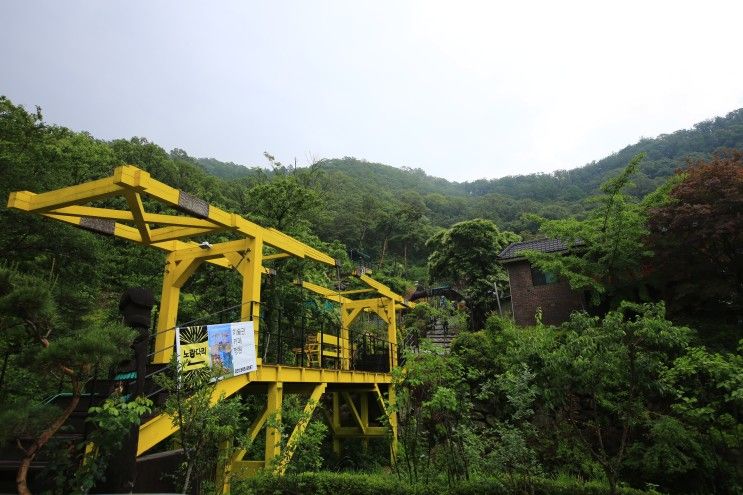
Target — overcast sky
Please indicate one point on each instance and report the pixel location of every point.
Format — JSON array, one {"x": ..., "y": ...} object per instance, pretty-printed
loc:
[{"x": 464, "y": 90}]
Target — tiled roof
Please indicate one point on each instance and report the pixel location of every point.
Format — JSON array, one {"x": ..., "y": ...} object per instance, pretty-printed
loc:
[{"x": 544, "y": 245}]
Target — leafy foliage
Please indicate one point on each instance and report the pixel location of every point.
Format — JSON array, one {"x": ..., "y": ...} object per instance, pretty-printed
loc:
[
  {"x": 328, "y": 483},
  {"x": 466, "y": 255},
  {"x": 203, "y": 428},
  {"x": 75, "y": 473},
  {"x": 621, "y": 397},
  {"x": 43, "y": 351},
  {"x": 606, "y": 249},
  {"x": 697, "y": 237}
]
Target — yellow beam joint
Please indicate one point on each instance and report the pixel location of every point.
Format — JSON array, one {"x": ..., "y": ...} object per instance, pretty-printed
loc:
[
  {"x": 176, "y": 274},
  {"x": 134, "y": 200},
  {"x": 253, "y": 431},
  {"x": 255, "y": 428},
  {"x": 216, "y": 251},
  {"x": 381, "y": 288}
]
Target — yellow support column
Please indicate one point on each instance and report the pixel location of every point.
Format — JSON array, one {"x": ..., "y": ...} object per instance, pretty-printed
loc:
[
  {"x": 393, "y": 425},
  {"x": 336, "y": 426},
  {"x": 364, "y": 412},
  {"x": 250, "y": 267},
  {"x": 392, "y": 338},
  {"x": 176, "y": 274},
  {"x": 392, "y": 331},
  {"x": 273, "y": 427}
]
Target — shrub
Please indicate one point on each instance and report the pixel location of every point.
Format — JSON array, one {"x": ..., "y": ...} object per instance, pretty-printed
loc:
[{"x": 329, "y": 483}]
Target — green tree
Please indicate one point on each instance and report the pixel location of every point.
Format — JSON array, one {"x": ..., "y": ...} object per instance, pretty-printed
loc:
[
  {"x": 203, "y": 426},
  {"x": 433, "y": 433},
  {"x": 697, "y": 237},
  {"x": 72, "y": 470},
  {"x": 465, "y": 255},
  {"x": 697, "y": 447},
  {"x": 49, "y": 353},
  {"x": 606, "y": 376},
  {"x": 607, "y": 248},
  {"x": 284, "y": 203}
]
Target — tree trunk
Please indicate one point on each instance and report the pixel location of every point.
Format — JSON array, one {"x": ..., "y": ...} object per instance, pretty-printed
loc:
[
  {"x": 384, "y": 251},
  {"x": 21, "y": 479}
]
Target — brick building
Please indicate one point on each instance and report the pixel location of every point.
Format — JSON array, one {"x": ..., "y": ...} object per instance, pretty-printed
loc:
[{"x": 532, "y": 289}]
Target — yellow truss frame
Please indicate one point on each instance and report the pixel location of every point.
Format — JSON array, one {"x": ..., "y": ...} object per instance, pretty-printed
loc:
[{"x": 172, "y": 233}]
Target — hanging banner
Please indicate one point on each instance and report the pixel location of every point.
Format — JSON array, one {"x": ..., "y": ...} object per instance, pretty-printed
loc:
[{"x": 229, "y": 347}]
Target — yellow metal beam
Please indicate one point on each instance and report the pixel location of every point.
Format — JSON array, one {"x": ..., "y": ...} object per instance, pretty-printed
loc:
[
  {"x": 274, "y": 400},
  {"x": 127, "y": 179},
  {"x": 279, "y": 256},
  {"x": 128, "y": 216},
  {"x": 382, "y": 289},
  {"x": 329, "y": 294},
  {"x": 336, "y": 424},
  {"x": 59, "y": 198},
  {"x": 176, "y": 274},
  {"x": 291, "y": 444},
  {"x": 356, "y": 291},
  {"x": 161, "y": 426},
  {"x": 93, "y": 212},
  {"x": 177, "y": 232},
  {"x": 355, "y": 412}
]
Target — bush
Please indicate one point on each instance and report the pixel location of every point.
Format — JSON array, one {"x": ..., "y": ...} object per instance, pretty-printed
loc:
[{"x": 328, "y": 483}]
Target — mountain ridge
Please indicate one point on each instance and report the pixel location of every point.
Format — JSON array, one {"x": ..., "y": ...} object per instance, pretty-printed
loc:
[{"x": 665, "y": 153}]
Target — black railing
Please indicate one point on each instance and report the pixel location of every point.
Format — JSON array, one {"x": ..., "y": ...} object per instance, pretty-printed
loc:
[{"x": 312, "y": 342}]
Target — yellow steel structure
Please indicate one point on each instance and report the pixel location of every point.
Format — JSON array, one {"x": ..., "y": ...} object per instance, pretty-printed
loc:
[{"x": 172, "y": 232}]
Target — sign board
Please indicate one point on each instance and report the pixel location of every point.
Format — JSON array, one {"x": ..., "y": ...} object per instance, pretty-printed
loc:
[{"x": 227, "y": 346}]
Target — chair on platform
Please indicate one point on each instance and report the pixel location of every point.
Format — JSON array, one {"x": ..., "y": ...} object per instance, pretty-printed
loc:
[{"x": 319, "y": 349}]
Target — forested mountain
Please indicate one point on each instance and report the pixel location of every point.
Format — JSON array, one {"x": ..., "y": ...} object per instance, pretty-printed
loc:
[
  {"x": 385, "y": 212},
  {"x": 664, "y": 154},
  {"x": 627, "y": 396},
  {"x": 504, "y": 200}
]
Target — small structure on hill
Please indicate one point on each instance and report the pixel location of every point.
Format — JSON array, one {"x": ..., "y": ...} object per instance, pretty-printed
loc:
[
  {"x": 439, "y": 330},
  {"x": 533, "y": 290}
]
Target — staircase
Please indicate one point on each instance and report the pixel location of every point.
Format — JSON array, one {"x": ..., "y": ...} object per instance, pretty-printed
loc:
[{"x": 441, "y": 336}]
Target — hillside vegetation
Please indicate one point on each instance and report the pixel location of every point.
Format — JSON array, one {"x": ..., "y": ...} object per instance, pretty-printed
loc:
[
  {"x": 349, "y": 184},
  {"x": 643, "y": 391}
]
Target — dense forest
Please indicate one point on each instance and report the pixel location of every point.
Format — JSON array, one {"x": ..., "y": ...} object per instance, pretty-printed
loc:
[
  {"x": 350, "y": 186},
  {"x": 644, "y": 390}
]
